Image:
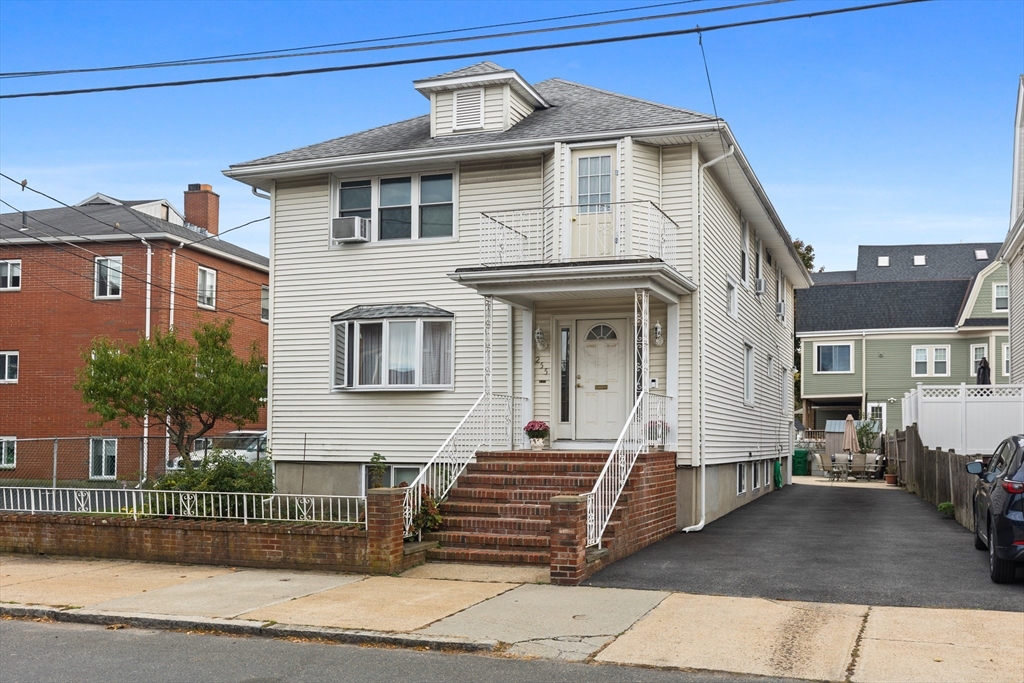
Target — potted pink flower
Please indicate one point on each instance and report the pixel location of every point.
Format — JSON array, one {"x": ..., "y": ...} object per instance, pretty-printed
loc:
[{"x": 537, "y": 431}]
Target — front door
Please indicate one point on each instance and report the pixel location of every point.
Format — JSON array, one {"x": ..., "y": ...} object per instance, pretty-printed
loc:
[
  {"x": 593, "y": 231},
  {"x": 602, "y": 389}
]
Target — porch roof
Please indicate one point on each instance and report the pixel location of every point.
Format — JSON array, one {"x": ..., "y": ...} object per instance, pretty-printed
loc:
[
  {"x": 392, "y": 311},
  {"x": 524, "y": 284}
]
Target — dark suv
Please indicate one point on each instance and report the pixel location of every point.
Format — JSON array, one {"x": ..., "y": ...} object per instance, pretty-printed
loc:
[{"x": 999, "y": 508}]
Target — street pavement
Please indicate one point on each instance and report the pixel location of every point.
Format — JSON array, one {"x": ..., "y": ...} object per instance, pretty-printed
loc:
[
  {"x": 512, "y": 613},
  {"x": 859, "y": 543}
]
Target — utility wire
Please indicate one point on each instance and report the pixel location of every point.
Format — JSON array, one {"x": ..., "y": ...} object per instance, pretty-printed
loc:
[
  {"x": 275, "y": 54},
  {"x": 465, "y": 55},
  {"x": 117, "y": 226}
]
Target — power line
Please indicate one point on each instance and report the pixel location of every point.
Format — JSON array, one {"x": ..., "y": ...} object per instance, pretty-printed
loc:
[
  {"x": 465, "y": 55},
  {"x": 116, "y": 226},
  {"x": 276, "y": 54}
]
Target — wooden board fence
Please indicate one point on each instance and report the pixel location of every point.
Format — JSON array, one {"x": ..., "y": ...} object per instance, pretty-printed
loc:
[{"x": 935, "y": 475}]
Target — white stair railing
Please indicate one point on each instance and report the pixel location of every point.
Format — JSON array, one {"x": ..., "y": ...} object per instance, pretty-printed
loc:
[
  {"x": 645, "y": 426},
  {"x": 494, "y": 419}
]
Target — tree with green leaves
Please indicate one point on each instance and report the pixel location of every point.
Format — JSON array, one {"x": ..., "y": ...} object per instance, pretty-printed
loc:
[
  {"x": 806, "y": 253},
  {"x": 196, "y": 383}
]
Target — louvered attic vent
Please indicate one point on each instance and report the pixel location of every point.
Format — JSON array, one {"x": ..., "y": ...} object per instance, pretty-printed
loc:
[{"x": 469, "y": 109}]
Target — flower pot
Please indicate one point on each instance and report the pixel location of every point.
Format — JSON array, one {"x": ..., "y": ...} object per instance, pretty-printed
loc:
[
  {"x": 890, "y": 479},
  {"x": 537, "y": 444}
]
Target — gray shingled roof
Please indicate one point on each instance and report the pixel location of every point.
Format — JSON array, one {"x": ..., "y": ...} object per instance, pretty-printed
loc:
[
  {"x": 576, "y": 110},
  {"x": 879, "y": 305},
  {"x": 985, "y": 322},
  {"x": 944, "y": 261},
  {"x": 471, "y": 70},
  {"x": 836, "y": 276},
  {"x": 96, "y": 220},
  {"x": 392, "y": 311}
]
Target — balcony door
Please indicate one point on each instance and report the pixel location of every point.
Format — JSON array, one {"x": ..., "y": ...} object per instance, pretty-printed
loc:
[
  {"x": 592, "y": 228},
  {"x": 602, "y": 389}
]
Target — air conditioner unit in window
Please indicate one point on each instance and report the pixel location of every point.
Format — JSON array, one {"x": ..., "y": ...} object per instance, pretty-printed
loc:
[
  {"x": 350, "y": 229},
  {"x": 780, "y": 309},
  {"x": 759, "y": 286}
]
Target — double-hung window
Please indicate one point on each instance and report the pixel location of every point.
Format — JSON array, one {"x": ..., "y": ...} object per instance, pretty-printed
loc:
[
  {"x": 108, "y": 277},
  {"x": 8, "y": 452},
  {"x": 206, "y": 290},
  {"x": 102, "y": 458},
  {"x": 732, "y": 298},
  {"x": 1006, "y": 360},
  {"x": 978, "y": 351},
  {"x": 264, "y": 303},
  {"x": 780, "y": 295},
  {"x": 833, "y": 358},
  {"x": 392, "y": 353},
  {"x": 10, "y": 275},
  {"x": 748, "y": 374},
  {"x": 930, "y": 361},
  {"x": 411, "y": 207},
  {"x": 1000, "y": 297},
  {"x": 745, "y": 254},
  {"x": 8, "y": 366}
]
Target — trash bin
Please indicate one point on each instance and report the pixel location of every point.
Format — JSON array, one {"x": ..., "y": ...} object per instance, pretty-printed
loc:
[{"x": 799, "y": 462}]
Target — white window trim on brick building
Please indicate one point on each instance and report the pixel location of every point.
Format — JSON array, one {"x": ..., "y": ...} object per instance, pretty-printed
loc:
[
  {"x": 265, "y": 303},
  {"x": 104, "y": 472},
  {"x": 108, "y": 287},
  {"x": 10, "y": 275},
  {"x": 206, "y": 288},
  {"x": 9, "y": 370},
  {"x": 8, "y": 452}
]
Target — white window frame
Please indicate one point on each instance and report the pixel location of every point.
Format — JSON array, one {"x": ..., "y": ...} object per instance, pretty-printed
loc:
[
  {"x": 732, "y": 298},
  {"x": 1006, "y": 360},
  {"x": 749, "y": 372},
  {"x": 4, "y": 367},
  {"x": 996, "y": 297},
  {"x": 4, "y": 441},
  {"x": 479, "y": 124},
  {"x": 882, "y": 405},
  {"x": 104, "y": 476},
  {"x": 352, "y": 352},
  {"x": 883, "y": 261},
  {"x": 853, "y": 359},
  {"x": 375, "y": 207},
  {"x": 265, "y": 297},
  {"x": 920, "y": 260},
  {"x": 780, "y": 294},
  {"x": 974, "y": 360},
  {"x": 767, "y": 475},
  {"x": 745, "y": 254},
  {"x": 11, "y": 265},
  {"x": 931, "y": 361},
  {"x": 120, "y": 277},
  {"x": 741, "y": 478},
  {"x": 755, "y": 475},
  {"x": 211, "y": 275},
  {"x": 389, "y": 478}
]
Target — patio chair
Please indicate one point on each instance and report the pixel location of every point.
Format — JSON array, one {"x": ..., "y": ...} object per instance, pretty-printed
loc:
[
  {"x": 858, "y": 465},
  {"x": 825, "y": 464},
  {"x": 873, "y": 463},
  {"x": 840, "y": 467}
]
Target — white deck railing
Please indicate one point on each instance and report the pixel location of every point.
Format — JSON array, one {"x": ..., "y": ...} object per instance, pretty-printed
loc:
[
  {"x": 135, "y": 503},
  {"x": 495, "y": 419},
  {"x": 617, "y": 230},
  {"x": 646, "y": 426},
  {"x": 967, "y": 418}
]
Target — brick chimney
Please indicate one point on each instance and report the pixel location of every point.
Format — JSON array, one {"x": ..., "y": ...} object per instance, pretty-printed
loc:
[{"x": 202, "y": 207}]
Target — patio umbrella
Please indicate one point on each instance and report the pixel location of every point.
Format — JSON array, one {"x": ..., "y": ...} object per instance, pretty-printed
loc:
[
  {"x": 984, "y": 372},
  {"x": 850, "y": 443}
]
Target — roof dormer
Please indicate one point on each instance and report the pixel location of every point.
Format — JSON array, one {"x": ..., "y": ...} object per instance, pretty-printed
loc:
[{"x": 482, "y": 97}]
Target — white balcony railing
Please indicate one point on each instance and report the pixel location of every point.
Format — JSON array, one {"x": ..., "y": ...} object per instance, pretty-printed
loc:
[
  {"x": 135, "y": 503},
  {"x": 617, "y": 230}
]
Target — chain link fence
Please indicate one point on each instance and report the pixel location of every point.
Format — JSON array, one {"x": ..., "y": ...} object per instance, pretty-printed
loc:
[{"x": 93, "y": 462}]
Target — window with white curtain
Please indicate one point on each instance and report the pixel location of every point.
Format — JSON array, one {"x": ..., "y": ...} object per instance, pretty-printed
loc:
[
  {"x": 394, "y": 353},
  {"x": 206, "y": 288}
]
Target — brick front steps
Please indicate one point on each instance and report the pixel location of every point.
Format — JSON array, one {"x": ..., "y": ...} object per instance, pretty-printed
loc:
[{"x": 499, "y": 511}]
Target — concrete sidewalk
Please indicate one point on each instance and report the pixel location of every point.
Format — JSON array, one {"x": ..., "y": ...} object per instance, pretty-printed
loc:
[{"x": 512, "y": 610}]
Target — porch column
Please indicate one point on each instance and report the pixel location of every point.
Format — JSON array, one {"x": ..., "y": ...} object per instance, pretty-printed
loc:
[
  {"x": 641, "y": 341},
  {"x": 527, "y": 364},
  {"x": 488, "y": 367},
  {"x": 672, "y": 374}
]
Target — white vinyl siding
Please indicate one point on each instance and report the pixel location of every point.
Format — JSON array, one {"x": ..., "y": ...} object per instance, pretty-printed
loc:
[
  {"x": 518, "y": 108},
  {"x": 1016, "y": 277},
  {"x": 206, "y": 288},
  {"x": 108, "y": 277}
]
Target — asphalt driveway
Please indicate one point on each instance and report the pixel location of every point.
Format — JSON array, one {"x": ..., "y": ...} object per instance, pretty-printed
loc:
[{"x": 825, "y": 544}]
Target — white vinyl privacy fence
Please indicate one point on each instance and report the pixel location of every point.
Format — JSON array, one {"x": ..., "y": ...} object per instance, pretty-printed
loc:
[{"x": 966, "y": 418}]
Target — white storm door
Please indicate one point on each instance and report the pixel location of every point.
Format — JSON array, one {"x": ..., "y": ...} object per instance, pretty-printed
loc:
[
  {"x": 593, "y": 228},
  {"x": 876, "y": 411},
  {"x": 602, "y": 389}
]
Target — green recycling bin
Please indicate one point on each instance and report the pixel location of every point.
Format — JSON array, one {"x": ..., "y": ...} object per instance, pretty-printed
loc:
[{"x": 799, "y": 462}]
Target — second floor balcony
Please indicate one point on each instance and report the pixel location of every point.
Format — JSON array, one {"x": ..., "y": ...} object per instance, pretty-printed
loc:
[{"x": 611, "y": 231}]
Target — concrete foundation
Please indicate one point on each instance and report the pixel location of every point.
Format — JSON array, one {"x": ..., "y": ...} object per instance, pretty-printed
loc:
[{"x": 721, "y": 493}]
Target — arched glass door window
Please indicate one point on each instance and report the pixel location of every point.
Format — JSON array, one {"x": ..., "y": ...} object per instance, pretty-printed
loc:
[{"x": 602, "y": 331}]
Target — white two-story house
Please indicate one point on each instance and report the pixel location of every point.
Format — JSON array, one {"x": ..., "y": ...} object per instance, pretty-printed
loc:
[{"x": 552, "y": 251}]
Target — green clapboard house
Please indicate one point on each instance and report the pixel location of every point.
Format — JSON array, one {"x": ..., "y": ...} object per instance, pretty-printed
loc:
[{"x": 909, "y": 314}]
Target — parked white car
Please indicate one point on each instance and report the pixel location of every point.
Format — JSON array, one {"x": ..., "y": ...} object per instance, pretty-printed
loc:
[{"x": 245, "y": 444}]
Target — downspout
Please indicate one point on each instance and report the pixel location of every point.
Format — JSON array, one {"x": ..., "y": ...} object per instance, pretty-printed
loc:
[
  {"x": 864, "y": 375},
  {"x": 700, "y": 334},
  {"x": 170, "y": 326},
  {"x": 149, "y": 318}
]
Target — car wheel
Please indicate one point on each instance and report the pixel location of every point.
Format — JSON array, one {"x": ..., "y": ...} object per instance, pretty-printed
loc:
[
  {"x": 978, "y": 543},
  {"x": 999, "y": 569}
]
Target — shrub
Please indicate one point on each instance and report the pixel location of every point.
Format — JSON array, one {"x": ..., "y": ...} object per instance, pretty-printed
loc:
[
  {"x": 428, "y": 517},
  {"x": 219, "y": 472},
  {"x": 947, "y": 509}
]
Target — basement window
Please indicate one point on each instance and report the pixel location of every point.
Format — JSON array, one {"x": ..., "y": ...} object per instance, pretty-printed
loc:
[
  {"x": 756, "y": 484},
  {"x": 741, "y": 478}
]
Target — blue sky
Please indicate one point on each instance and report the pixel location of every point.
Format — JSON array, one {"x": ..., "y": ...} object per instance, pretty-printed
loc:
[{"x": 886, "y": 126}]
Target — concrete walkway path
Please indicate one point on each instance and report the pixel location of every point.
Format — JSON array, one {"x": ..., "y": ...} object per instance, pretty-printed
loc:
[{"x": 511, "y": 610}]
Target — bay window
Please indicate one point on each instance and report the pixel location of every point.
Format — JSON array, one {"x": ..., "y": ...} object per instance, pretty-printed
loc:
[{"x": 391, "y": 353}]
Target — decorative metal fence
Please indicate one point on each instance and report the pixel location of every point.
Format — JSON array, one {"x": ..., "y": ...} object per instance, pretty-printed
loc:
[{"x": 136, "y": 503}]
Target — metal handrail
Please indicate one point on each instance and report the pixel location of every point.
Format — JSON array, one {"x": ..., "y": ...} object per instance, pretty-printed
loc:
[
  {"x": 577, "y": 206},
  {"x": 136, "y": 503}
]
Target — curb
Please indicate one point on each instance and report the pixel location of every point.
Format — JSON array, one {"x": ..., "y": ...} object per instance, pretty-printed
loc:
[{"x": 251, "y": 628}]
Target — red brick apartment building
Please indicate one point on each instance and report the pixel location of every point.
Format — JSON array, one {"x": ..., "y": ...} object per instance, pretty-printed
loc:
[{"x": 120, "y": 269}]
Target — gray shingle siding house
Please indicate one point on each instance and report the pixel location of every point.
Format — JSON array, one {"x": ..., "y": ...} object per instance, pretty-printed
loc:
[{"x": 909, "y": 314}]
